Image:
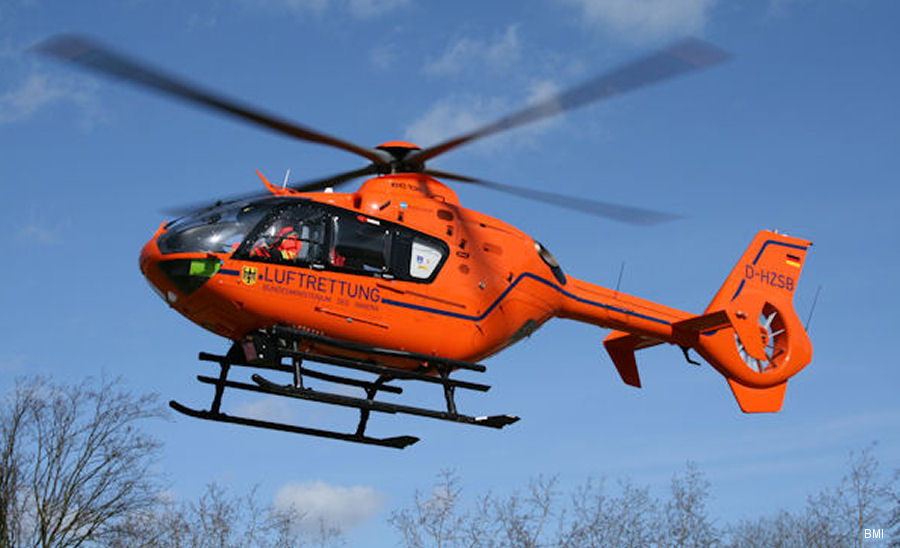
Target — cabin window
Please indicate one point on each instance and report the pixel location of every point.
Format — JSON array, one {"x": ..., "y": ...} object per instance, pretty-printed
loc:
[
  {"x": 360, "y": 244},
  {"x": 313, "y": 235},
  {"x": 365, "y": 245},
  {"x": 424, "y": 260}
]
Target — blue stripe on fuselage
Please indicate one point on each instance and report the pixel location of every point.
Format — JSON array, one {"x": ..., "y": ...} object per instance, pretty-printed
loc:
[{"x": 508, "y": 290}]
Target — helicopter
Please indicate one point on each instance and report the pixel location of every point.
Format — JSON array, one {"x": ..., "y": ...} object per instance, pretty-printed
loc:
[{"x": 398, "y": 281}]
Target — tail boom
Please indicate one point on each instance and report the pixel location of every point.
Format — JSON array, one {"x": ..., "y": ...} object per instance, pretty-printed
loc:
[{"x": 750, "y": 332}]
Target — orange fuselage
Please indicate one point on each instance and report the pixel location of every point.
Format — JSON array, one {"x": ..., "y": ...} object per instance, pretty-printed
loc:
[{"x": 493, "y": 288}]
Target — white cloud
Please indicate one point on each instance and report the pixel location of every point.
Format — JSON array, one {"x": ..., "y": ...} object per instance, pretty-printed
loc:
[
  {"x": 40, "y": 227},
  {"x": 267, "y": 409},
  {"x": 318, "y": 503},
  {"x": 646, "y": 20},
  {"x": 780, "y": 8},
  {"x": 470, "y": 53},
  {"x": 371, "y": 8},
  {"x": 14, "y": 363},
  {"x": 451, "y": 116},
  {"x": 455, "y": 115},
  {"x": 20, "y": 103},
  {"x": 383, "y": 56},
  {"x": 38, "y": 234},
  {"x": 543, "y": 90},
  {"x": 361, "y": 9},
  {"x": 198, "y": 21},
  {"x": 290, "y": 5},
  {"x": 39, "y": 91}
]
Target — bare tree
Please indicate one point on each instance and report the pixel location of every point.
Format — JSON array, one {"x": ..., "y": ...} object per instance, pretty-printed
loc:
[
  {"x": 13, "y": 421},
  {"x": 522, "y": 519},
  {"x": 440, "y": 520},
  {"x": 686, "y": 523},
  {"x": 783, "y": 530},
  {"x": 839, "y": 515},
  {"x": 629, "y": 517},
  {"x": 436, "y": 520},
  {"x": 629, "y": 520},
  {"x": 74, "y": 462},
  {"x": 540, "y": 518},
  {"x": 836, "y": 517},
  {"x": 220, "y": 519},
  {"x": 894, "y": 516},
  {"x": 866, "y": 493},
  {"x": 76, "y": 471}
]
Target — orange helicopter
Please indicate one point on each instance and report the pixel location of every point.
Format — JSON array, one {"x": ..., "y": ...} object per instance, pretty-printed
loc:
[{"x": 400, "y": 281}]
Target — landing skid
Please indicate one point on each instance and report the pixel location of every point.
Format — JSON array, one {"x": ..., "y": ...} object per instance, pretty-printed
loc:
[{"x": 272, "y": 347}]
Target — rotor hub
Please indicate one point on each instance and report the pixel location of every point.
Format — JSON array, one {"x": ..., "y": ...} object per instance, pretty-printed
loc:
[{"x": 398, "y": 151}]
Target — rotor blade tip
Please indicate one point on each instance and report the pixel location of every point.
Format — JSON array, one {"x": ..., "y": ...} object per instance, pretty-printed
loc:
[
  {"x": 654, "y": 219},
  {"x": 67, "y": 46},
  {"x": 699, "y": 52}
]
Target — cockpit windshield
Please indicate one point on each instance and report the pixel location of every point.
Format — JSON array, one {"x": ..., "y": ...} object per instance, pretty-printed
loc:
[
  {"x": 217, "y": 230},
  {"x": 299, "y": 233}
]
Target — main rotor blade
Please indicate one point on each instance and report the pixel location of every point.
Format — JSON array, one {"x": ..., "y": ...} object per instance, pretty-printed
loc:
[
  {"x": 334, "y": 180},
  {"x": 679, "y": 58},
  {"x": 621, "y": 213},
  {"x": 305, "y": 186},
  {"x": 91, "y": 55}
]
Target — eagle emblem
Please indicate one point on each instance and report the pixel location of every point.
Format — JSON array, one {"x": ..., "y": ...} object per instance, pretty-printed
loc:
[{"x": 248, "y": 275}]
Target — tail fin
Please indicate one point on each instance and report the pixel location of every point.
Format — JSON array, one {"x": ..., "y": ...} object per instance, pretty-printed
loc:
[
  {"x": 750, "y": 332},
  {"x": 767, "y": 343}
]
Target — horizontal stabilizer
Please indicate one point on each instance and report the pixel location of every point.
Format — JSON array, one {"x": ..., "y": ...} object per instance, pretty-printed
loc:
[
  {"x": 621, "y": 347},
  {"x": 758, "y": 400},
  {"x": 687, "y": 331}
]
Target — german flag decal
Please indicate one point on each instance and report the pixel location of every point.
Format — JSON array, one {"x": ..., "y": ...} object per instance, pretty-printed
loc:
[{"x": 793, "y": 260}]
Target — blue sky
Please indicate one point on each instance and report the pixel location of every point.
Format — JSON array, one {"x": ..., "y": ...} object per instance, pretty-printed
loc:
[{"x": 799, "y": 131}]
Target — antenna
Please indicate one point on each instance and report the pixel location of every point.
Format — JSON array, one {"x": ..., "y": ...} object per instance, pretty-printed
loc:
[
  {"x": 812, "y": 308},
  {"x": 287, "y": 174},
  {"x": 619, "y": 281}
]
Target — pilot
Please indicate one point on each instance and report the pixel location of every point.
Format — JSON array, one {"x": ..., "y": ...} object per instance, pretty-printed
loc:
[
  {"x": 286, "y": 246},
  {"x": 290, "y": 244}
]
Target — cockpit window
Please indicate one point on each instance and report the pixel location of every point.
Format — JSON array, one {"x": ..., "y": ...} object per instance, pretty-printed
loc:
[
  {"x": 301, "y": 233},
  {"x": 294, "y": 234},
  {"x": 216, "y": 230}
]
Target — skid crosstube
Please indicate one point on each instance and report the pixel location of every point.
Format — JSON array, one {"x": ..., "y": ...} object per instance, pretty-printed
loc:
[{"x": 272, "y": 346}]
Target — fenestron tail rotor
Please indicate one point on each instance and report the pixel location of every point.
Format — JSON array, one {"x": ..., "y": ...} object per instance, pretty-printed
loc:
[{"x": 773, "y": 334}]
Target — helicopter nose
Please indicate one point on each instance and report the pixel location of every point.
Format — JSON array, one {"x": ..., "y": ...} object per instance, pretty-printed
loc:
[
  {"x": 149, "y": 263},
  {"x": 176, "y": 277}
]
